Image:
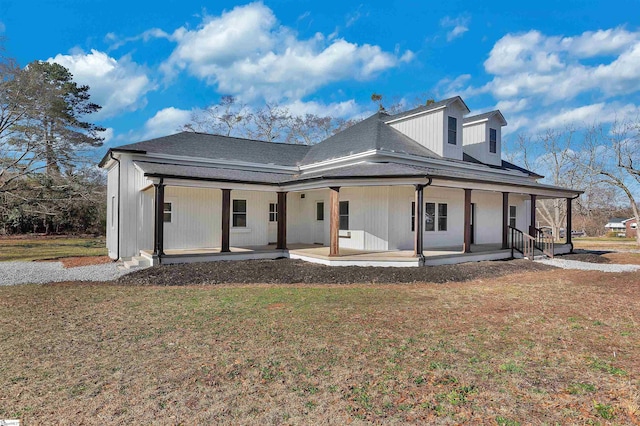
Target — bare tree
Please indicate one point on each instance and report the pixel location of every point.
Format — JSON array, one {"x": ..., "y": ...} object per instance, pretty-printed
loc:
[
  {"x": 271, "y": 123},
  {"x": 229, "y": 117},
  {"x": 612, "y": 157}
]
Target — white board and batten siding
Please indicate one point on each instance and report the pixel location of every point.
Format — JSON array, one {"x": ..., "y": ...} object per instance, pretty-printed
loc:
[
  {"x": 431, "y": 130},
  {"x": 476, "y": 141},
  {"x": 112, "y": 211}
]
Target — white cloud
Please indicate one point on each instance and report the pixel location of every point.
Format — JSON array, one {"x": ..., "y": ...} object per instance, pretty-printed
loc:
[
  {"x": 107, "y": 134},
  {"x": 346, "y": 109},
  {"x": 459, "y": 25},
  {"x": 165, "y": 122},
  {"x": 246, "y": 53},
  {"x": 116, "y": 85},
  {"x": 150, "y": 34}
]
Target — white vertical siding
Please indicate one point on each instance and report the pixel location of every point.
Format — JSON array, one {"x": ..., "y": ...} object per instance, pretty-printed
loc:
[
  {"x": 450, "y": 150},
  {"x": 427, "y": 130},
  {"x": 488, "y": 217},
  {"x": 256, "y": 233},
  {"x": 475, "y": 141},
  {"x": 400, "y": 233},
  {"x": 195, "y": 218},
  {"x": 112, "y": 211},
  {"x": 454, "y": 235}
]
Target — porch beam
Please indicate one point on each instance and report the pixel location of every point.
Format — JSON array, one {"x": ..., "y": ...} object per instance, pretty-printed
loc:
[
  {"x": 467, "y": 221},
  {"x": 418, "y": 222},
  {"x": 532, "y": 227},
  {"x": 569, "y": 223},
  {"x": 334, "y": 221},
  {"x": 505, "y": 220},
  {"x": 158, "y": 225},
  {"x": 226, "y": 220},
  {"x": 282, "y": 221}
]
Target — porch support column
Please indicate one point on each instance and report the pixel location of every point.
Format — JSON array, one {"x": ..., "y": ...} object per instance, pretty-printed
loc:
[
  {"x": 226, "y": 219},
  {"x": 282, "y": 221},
  {"x": 158, "y": 224},
  {"x": 569, "y": 223},
  {"x": 505, "y": 220},
  {"x": 532, "y": 227},
  {"x": 467, "y": 221},
  {"x": 418, "y": 246},
  {"x": 334, "y": 221}
]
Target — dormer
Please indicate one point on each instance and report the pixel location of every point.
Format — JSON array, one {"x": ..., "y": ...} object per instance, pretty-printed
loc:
[
  {"x": 437, "y": 126},
  {"x": 482, "y": 137}
]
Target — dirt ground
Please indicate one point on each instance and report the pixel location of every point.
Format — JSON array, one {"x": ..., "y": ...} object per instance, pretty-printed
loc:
[{"x": 286, "y": 271}]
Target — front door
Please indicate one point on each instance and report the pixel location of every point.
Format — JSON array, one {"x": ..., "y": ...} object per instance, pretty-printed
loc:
[
  {"x": 473, "y": 221},
  {"x": 273, "y": 223},
  {"x": 318, "y": 237}
]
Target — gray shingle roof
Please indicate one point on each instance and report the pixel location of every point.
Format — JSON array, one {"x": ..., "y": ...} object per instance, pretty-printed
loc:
[
  {"x": 422, "y": 108},
  {"x": 369, "y": 134},
  {"x": 488, "y": 114},
  {"x": 217, "y": 174},
  {"x": 202, "y": 145}
]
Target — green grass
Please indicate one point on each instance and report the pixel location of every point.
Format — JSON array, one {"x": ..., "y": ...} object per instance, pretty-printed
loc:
[{"x": 50, "y": 248}]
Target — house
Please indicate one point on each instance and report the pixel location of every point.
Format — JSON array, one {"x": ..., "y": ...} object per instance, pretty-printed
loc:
[
  {"x": 426, "y": 186},
  {"x": 631, "y": 227},
  {"x": 616, "y": 226}
]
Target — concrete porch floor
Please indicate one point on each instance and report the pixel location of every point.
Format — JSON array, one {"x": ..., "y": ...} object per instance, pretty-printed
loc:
[{"x": 347, "y": 257}]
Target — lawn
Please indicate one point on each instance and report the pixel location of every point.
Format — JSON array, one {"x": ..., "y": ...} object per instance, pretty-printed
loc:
[
  {"x": 538, "y": 347},
  {"x": 41, "y": 248}
]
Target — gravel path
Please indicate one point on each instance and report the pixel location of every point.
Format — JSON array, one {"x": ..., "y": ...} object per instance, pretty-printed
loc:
[
  {"x": 588, "y": 266},
  {"x": 45, "y": 272}
]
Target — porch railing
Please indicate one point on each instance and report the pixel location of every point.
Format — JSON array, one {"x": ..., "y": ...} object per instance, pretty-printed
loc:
[
  {"x": 545, "y": 242},
  {"x": 522, "y": 243}
]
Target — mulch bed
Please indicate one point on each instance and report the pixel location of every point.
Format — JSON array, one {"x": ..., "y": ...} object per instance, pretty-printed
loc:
[
  {"x": 591, "y": 256},
  {"x": 287, "y": 271}
]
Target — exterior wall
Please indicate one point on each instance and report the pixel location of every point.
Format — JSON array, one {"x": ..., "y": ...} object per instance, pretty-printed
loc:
[
  {"x": 449, "y": 150},
  {"x": 112, "y": 211},
  {"x": 195, "y": 218},
  {"x": 302, "y": 226},
  {"x": 426, "y": 129},
  {"x": 476, "y": 141},
  {"x": 368, "y": 218},
  {"x": 632, "y": 228},
  {"x": 256, "y": 232}
]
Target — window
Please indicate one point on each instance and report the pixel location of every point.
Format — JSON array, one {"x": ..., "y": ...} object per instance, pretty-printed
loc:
[
  {"x": 430, "y": 217},
  {"x": 167, "y": 212},
  {"x": 453, "y": 130},
  {"x": 239, "y": 213},
  {"x": 320, "y": 210},
  {"x": 344, "y": 215},
  {"x": 442, "y": 217},
  {"x": 273, "y": 212},
  {"x": 493, "y": 141},
  {"x": 512, "y": 216},
  {"x": 113, "y": 211},
  {"x": 413, "y": 215}
]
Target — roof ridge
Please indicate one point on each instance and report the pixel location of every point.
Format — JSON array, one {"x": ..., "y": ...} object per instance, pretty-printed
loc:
[{"x": 243, "y": 139}]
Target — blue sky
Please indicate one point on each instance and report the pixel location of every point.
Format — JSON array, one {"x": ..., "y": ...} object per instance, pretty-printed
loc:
[{"x": 149, "y": 64}]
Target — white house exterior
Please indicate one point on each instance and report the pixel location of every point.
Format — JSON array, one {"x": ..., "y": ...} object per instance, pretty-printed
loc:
[{"x": 420, "y": 187}]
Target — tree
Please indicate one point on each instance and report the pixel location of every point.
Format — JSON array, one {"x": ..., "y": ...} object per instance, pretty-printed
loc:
[
  {"x": 271, "y": 123},
  {"x": 52, "y": 127},
  {"x": 612, "y": 157},
  {"x": 554, "y": 159},
  {"x": 228, "y": 117}
]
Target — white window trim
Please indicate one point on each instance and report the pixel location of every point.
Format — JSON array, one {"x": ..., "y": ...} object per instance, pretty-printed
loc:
[
  {"x": 246, "y": 214},
  {"x": 489, "y": 144},
  {"x": 436, "y": 216},
  {"x": 173, "y": 203}
]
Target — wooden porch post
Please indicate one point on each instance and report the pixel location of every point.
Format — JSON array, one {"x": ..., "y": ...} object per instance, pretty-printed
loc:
[
  {"x": 158, "y": 226},
  {"x": 505, "y": 220},
  {"x": 569, "y": 224},
  {"x": 532, "y": 228},
  {"x": 467, "y": 221},
  {"x": 282, "y": 221},
  {"x": 334, "y": 221},
  {"x": 418, "y": 212},
  {"x": 226, "y": 219}
]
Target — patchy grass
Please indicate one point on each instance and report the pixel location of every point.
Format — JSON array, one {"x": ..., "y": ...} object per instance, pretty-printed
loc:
[
  {"x": 42, "y": 248},
  {"x": 519, "y": 349}
]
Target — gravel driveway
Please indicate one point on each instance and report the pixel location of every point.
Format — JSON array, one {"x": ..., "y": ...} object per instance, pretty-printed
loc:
[
  {"x": 46, "y": 272},
  {"x": 588, "y": 266}
]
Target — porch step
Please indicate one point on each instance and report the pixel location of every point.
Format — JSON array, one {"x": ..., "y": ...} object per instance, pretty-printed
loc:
[{"x": 136, "y": 262}]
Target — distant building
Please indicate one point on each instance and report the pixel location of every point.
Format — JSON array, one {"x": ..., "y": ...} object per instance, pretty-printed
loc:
[
  {"x": 631, "y": 228},
  {"x": 616, "y": 225}
]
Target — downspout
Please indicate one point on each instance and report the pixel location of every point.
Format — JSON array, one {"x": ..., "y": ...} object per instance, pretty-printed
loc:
[
  {"x": 421, "y": 258},
  {"x": 572, "y": 198},
  {"x": 118, "y": 227}
]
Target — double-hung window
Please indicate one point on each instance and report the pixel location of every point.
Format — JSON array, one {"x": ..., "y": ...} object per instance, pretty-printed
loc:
[
  {"x": 435, "y": 218},
  {"x": 512, "y": 216},
  {"x": 453, "y": 130},
  {"x": 167, "y": 212},
  {"x": 413, "y": 216},
  {"x": 493, "y": 141},
  {"x": 344, "y": 215},
  {"x": 273, "y": 212},
  {"x": 239, "y": 213}
]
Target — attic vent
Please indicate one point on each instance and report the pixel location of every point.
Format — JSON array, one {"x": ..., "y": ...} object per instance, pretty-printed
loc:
[{"x": 301, "y": 195}]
